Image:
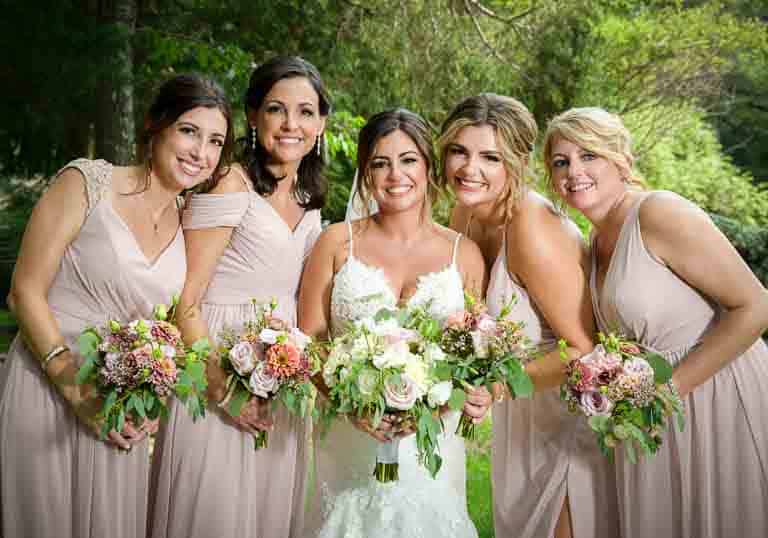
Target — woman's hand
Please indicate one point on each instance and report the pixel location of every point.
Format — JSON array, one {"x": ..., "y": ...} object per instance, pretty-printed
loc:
[
  {"x": 478, "y": 402},
  {"x": 255, "y": 416},
  {"x": 383, "y": 433}
]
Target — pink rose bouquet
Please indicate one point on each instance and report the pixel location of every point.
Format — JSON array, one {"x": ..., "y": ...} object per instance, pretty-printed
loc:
[
  {"x": 625, "y": 393},
  {"x": 136, "y": 366},
  {"x": 270, "y": 360},
  {"x": 483, "y": 350}
]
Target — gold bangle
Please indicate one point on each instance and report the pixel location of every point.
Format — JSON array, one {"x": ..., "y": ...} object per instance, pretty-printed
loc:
[{"x": 52, "y": 354}]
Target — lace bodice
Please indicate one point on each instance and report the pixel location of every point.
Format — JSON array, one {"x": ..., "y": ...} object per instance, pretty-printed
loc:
[{"x": 360, "y": 290}]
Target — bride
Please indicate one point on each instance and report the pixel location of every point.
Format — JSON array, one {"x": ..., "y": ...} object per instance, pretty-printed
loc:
[{"x": 394, "y": 255}]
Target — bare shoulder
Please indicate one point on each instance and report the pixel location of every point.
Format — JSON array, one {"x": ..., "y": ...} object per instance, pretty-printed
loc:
[
  {"x": 232, "y": 182},
  {"x": 538, "y": 226},
  {"x": 664, "y": 212}
]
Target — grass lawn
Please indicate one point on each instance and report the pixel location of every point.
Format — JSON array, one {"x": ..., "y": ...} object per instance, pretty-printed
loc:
[{"x": 479, "y": 495}]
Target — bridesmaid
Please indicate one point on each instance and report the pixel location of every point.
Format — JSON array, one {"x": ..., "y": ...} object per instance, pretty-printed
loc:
[
  {"x": 549, "y": 478},
  {"x": 664, "y": 275},
  {"x": 247, "y": 238},
  {"x": 103, "y": 241}
]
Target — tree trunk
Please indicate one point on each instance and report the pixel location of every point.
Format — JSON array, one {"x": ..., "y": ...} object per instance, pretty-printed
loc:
[{"x": 115, "y": 125}]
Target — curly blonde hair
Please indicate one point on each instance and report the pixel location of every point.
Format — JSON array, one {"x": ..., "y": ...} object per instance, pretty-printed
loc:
[{"x": 516, "y": 132}]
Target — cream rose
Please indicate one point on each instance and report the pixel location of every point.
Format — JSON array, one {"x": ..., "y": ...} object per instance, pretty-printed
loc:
[
  {"x": 440, "y": 393},
  {"x": 243, "y": 357},
  {"x": 402, "y": 395},
  {"x": 261, "y": 383}
]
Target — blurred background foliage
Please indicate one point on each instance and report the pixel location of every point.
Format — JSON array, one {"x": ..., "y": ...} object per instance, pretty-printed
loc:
[{"x": 689, "y": 77}]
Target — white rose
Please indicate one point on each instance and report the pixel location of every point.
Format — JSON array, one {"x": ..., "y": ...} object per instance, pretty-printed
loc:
[
  {"x": 433, "y": 353},
  {"x": 269, "y": 336},
  {"x": 363, "y": 346},
  {"x": 440, "y": 393},
  {"x": 261, "y": 383},
  {"x": 168, "y": 351},
  {"x": 243, "y": 357},
  {"x": 402, "y": 395},
  {"x": 397, "y": 354},
  {"x": 418, "y": 372},
  {"x": 367, "y": 381},
  {"x": 300, "y": 339}
]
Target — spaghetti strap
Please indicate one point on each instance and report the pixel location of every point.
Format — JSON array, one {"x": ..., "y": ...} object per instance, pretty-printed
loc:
[
  {"x": 455, "y": 248},
  {"x": 244, "y": 178},
  {"x": 349, "y": 229}
]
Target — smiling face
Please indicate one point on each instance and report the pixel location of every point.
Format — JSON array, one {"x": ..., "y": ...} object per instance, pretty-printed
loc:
[
  {"x": 187, "y": 152},
  {"x": 474, "y": 166},
  {"x": 584, "y": 180},
  {"x": 288, "y": 121},
  {"x": 397, "y": 173}
]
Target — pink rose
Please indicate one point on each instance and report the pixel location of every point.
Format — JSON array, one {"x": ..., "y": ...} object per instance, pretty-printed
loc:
[
  {"x": 594, "y": 403},
  {"x": 262, "y": 383},
  {"x": 243, "y": 357},
  {"x": 586, "y": 375},
  {"x": 401, "y": 395},
  {"x": 485, "y": 323},
  {"x": 458, "y": 320}
]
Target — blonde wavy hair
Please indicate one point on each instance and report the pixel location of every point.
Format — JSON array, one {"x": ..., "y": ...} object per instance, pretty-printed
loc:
[
  {"x": 516, "y": 133},
  {"x": 597, "y": 131}
]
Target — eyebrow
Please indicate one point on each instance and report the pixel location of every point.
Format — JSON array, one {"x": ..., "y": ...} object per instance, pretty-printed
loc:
[
  {"x": 196, "y": 126},
  {"x": 279, "y": 102},
  {"x": 403, "y": 154}
]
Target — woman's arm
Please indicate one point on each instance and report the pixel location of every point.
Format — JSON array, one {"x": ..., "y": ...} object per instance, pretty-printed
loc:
[
  {"x": 55, "y": 222},
  {"x": 204, "y": 249},
  {"x": 548, "y": 256},
  {"x": 472, "y": 267},
  {"x": 683, "y": 236}
]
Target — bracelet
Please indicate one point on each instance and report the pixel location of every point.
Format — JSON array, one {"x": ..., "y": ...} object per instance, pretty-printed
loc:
[{"x": 52, "y": 354}]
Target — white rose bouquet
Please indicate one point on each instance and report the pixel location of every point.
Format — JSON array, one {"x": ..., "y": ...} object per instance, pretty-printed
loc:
[
  {"x": 391, "y": 364},
  {"x": 267, "y": 359}
]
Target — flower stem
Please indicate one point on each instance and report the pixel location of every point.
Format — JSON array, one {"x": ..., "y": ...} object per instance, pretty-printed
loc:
[{"x": 260, "y": 440}]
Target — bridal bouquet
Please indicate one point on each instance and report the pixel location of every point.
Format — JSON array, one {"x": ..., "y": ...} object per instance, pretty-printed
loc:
[
  {"x": 267, "y": 359},
  {"x": 484, "y": 350},
  {"x": 135, "y": 366},
  {"x": 626, "y": 394},
  {"x": 391, "y": 364}
]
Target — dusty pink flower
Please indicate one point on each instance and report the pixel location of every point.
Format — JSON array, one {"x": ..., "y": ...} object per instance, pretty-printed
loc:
[
  {"x": 458, "y": 320},
  {"x": 243, "y": 357},
  {"x": 595, "y": 404},
  {"x": 262, "y": 383}
]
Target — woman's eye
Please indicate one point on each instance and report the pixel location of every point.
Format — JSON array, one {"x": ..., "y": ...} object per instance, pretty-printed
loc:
[
  {"x": 409, "y": 160},
  {"x": 273, "y": 109},
  {"x": 185, "y": 129},
  {"x": 378, "y": 164},
  {"x": 456, "y": 151},
  {"x": 493, "y": 158},
  {"x": 218, "y": 142},
  {"x": 588, "y": 157},
  {"x": 308, "y": 113},
  {"x": 559, "y": 163}
]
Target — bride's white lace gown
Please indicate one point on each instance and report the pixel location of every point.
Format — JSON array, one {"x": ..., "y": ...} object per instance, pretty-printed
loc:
[{"x": 349, "y": 502}]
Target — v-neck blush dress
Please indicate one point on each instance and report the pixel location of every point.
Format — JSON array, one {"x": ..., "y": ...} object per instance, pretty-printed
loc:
[
  {"x": 540, "y": 451},
  {"x": 58, "y": 479},
  {"x": 711, "y": 479},
  {"x": 207, "y": 480}
]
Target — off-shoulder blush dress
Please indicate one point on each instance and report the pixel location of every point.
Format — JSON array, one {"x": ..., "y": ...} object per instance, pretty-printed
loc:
[
  {"x": 58, "y": 479},
  {"x": 207, "y": 479}
]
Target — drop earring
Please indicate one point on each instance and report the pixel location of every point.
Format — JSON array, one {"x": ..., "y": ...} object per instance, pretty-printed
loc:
[{"x": 253, "y": 138}]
